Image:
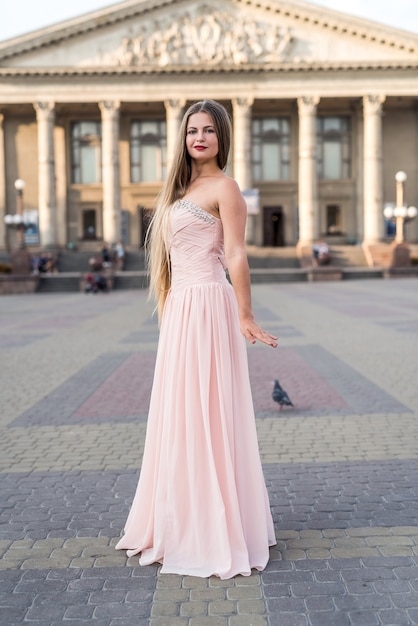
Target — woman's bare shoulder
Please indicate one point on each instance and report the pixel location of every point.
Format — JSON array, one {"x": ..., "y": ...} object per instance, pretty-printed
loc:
[
  {"x": 227, "y": 187},
  {"x": 220, "y": 192}
]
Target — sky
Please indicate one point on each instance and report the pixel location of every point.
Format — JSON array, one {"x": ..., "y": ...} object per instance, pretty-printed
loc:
[{"x": 22, "y": 16}]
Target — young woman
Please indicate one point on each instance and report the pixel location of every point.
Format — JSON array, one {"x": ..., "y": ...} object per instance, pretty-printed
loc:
[{"x": 201, "y": 507}]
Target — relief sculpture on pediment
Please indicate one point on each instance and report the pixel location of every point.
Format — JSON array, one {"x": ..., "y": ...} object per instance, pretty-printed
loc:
[{"x": 205, "y": 37}]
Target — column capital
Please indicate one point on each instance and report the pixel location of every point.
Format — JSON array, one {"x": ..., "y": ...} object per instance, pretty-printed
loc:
[
  {"x": 44, "y": 109},
  {"x": 372, "y": 104},
  {"x": 242, "y": 103},
  {"x": 307, "y": 104},
  {"x": 175, "y": 104},
  {"x": 173, "y": 113},
  {"x": 109, "y": 108}
]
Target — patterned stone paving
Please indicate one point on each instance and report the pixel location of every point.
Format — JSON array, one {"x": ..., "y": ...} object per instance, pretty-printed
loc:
[
  {"x": 117, "y": 394},
  {"x": 341, "y": 466},
  {"x": 316, "y": 379}
]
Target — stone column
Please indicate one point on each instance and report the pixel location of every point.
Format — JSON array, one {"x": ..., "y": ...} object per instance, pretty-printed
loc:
[
  {"x": 45, "y": 115},
  {"x": 3, "y": 242},
  {"x": 373, "y": 169},
  {"x": 241, "y": 108},
  {"x": 174, "y": 113},
  {"x": 61, "y": 183},
  {"x": 358, "y": 174},
  {"x": 242, "y": 141},
  {"x": 110, "y": 171},
  {"x": 308, "y": 175}
]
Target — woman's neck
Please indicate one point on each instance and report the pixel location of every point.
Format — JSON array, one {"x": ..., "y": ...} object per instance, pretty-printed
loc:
[{"x": 204, "y": 171}]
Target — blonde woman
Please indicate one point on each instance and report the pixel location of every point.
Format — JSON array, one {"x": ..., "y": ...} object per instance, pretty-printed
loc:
[{"x": 201, "y": 507}]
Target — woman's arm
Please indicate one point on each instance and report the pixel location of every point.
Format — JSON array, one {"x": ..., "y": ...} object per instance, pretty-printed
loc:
[{"x": 233, "y": 213}]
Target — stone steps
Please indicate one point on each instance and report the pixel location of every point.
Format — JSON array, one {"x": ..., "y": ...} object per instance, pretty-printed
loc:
[
  {"x": 348, "y": 256},
  {"x": 78, "y": 261},
  {"x": 130, "y": 280},
  {"x": 284, "y": 258},
  {"x": 271, "y": 265},
  {"x": 70, "y": 281},
  {"x": 59, "y": 282}
]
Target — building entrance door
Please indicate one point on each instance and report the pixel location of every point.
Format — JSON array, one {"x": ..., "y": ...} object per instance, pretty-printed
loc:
[{"x": 273, "y": 226}]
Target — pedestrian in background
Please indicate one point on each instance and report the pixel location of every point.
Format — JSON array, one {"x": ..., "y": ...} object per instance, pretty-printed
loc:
[{"x": 120, "y": 256}]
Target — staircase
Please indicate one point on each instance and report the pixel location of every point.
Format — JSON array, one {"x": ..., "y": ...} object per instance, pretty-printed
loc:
[
  {"x": 73, "y": 264},
  {"x": 130, "y": 280},
  {"x": 269, "y": 258},
  {"x": 348, "y": 256},
  {"x": 59, "y": 282},
  {"x": 78, "y": 261},
  {"x": 353, "y": 261},
  {"x": 267, "y": 265}
]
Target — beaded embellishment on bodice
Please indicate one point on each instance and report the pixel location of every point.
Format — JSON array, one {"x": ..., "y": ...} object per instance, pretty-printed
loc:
[{"x": 198, "y": 211}]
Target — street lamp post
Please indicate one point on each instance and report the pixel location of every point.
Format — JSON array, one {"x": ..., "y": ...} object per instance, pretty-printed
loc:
[{"x": 400, "y": 214}]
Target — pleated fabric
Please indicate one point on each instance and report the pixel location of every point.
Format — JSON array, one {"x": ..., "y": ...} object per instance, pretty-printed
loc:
[{"x": 201, "y": 506}]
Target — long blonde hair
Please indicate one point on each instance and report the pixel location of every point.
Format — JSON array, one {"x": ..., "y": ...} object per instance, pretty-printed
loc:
[{"x": 175, "y": 187}]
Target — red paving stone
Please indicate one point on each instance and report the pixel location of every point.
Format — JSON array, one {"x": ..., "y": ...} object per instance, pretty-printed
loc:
[
  {"x": 126, "y": 392},
  {"x": 307, "y": 390}
]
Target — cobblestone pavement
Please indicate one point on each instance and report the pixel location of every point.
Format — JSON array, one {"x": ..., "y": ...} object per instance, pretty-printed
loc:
[{"x": 341, "y": 466}]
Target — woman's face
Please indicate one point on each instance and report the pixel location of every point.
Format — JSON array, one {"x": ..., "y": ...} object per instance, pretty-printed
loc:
[{"x": 201, "y": 138}]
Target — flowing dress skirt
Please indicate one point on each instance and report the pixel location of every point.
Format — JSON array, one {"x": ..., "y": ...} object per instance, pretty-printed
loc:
[{"x": 201, "y": 507}]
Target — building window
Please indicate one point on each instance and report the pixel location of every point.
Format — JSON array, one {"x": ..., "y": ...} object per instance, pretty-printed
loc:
[
  {"x": 86, "y": 153},
  {"x": 148, "y": 151},
  {"x": 334, "y": 147},
  {"x": 271, "y": 148}
]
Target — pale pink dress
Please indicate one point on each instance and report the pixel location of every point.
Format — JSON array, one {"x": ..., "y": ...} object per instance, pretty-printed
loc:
[{"x": 201, "y": 505}]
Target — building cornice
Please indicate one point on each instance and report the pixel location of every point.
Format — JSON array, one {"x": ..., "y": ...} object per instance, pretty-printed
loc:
[{"x": 282, "y": 68}]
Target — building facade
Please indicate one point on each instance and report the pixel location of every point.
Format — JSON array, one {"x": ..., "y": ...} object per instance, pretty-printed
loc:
[{"x": 324, "y": 109}]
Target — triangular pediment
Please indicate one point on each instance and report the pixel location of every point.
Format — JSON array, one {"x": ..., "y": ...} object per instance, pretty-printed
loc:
[{"x": 209, "y": 34}]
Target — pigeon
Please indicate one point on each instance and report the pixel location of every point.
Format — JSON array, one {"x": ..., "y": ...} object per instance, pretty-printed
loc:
[{"x": 280, "y": 396}]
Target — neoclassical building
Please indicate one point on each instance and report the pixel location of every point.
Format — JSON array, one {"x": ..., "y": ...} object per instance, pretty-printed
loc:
[{"x": 324, "y": 108}]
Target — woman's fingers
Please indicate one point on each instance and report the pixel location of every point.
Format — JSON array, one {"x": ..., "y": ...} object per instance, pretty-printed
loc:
[{"x": 255, "y": 332}]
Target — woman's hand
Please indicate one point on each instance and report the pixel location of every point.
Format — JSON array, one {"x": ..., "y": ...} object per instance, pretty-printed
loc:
[{"x": 252, "y": 332}]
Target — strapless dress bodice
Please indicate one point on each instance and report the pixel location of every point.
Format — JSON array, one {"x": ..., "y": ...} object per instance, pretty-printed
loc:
[{"x": 196, "y": 246}]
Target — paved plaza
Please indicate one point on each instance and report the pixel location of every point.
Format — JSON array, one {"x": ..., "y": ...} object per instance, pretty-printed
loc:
[{"x": 341, "y": 466}]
